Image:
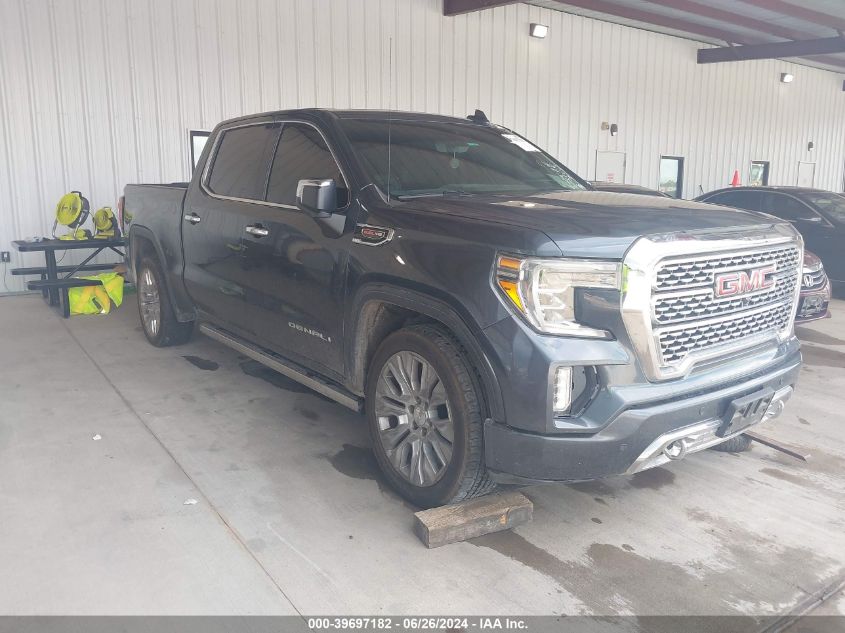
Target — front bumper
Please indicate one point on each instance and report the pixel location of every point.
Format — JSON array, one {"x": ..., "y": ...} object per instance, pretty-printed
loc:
[
  {"x": 635, "y": 439},
  {"x": 813, "y": 304}
]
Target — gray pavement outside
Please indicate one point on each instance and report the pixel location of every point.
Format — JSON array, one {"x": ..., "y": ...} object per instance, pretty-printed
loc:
[{"x": 292, "y": 517}]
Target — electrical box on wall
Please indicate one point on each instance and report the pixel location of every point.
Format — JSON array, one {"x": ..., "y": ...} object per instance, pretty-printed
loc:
[{"x": 5, "y": 257}]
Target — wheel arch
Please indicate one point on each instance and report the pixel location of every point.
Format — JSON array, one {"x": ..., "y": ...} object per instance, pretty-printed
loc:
[
  {"x": 380, "y": 309},
  {"x": 142, "y": 241}
]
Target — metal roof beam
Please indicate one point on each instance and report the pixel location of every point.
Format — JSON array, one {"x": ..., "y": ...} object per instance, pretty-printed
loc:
[
  {"x": 659, "y": 19},
  {"x": 837, "y": 23},
  {"x": 714, "y": 13},
  {"x": 457, "y": 7},
  {"x": 776, "y": 50}
]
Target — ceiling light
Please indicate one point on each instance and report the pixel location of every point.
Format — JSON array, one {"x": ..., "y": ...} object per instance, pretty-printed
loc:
[
  {"x": 539, "y": 30},
  {"x": 786, "y": 78}
]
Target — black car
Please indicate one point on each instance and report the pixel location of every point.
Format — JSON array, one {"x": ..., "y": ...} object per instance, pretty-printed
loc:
[
  {"x": 618, "y": 187},
  {"x": 818, "y": 215},
  {"x": 494, "y": 318}
]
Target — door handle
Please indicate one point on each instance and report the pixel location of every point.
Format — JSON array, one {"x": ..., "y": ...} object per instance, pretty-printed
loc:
[
  {"x": 257, "y": 230},
  {"x": 193, "y": 218}
]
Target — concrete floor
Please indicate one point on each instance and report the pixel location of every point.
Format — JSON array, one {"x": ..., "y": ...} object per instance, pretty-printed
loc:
[{"x": 291, "y": 517}]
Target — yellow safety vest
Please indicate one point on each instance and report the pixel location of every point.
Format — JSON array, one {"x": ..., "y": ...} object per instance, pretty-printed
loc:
[{"x": 97, "y": 299}]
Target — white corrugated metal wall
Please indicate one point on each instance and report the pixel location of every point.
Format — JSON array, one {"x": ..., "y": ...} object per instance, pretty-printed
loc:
[{"x": 98, "y": 93}]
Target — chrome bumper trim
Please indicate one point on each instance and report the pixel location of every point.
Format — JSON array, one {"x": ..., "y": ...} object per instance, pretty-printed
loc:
[{"x": 697, "y": 437}]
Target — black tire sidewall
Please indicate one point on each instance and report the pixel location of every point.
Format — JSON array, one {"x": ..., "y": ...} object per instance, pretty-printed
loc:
[{"x": 461, "y": 414}]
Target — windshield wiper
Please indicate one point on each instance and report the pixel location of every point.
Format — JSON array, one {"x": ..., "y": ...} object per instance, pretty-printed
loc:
[{"x": 435, "y": 194}]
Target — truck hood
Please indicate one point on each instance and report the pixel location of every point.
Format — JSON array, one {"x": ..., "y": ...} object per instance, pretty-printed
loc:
[{"x": 592, "y": 223}]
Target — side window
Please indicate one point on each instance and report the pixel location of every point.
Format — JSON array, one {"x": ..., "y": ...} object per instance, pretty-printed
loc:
[
  {"x": 242, "y": 160},
  {"x": 740, "y": 199},
  {"x": 302, "y": 154},
  {"x": 787, "y": 207}
]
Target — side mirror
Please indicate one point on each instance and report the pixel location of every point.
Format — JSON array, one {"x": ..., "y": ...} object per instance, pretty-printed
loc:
[{"x": 317, "y": 197}]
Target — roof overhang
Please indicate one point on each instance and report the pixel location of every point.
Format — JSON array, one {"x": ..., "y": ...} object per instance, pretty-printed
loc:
[{"x": 809, "y": 34}]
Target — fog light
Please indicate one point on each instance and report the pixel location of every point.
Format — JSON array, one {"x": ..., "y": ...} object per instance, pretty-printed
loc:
[{"x": 562, "y": 399}]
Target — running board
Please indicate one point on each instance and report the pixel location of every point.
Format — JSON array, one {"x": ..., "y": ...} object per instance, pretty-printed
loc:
[{"x": 284, "y": 367}]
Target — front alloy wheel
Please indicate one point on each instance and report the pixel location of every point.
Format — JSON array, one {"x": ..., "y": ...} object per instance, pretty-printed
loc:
[
  {"x": 414, "y": 423},
  {"x": 425, "y": 413}
]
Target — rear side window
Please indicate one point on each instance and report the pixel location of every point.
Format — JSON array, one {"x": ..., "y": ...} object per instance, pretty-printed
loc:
[
  {"x": 242, "y": 160},
  {"x": 739, "y": 199},
  {"x": 787, "y": 207},
  {"x": 302, "y": 154}
]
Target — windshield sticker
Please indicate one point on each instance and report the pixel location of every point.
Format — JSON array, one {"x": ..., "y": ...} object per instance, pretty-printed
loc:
[{"x": 521, "y": 142}]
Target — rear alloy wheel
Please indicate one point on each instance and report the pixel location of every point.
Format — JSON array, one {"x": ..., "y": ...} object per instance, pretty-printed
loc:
[
  {"x": 424, "y": 412},
  {"x": 157, "y": 317},
  {"x": 149, "y": 303}
]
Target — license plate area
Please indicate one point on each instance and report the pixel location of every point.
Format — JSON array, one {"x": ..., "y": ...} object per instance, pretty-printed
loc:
[{"x": 745, "y": 411}]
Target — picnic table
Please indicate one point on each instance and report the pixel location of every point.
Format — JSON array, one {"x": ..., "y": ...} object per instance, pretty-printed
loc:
[{"x": 55, "y": 280}]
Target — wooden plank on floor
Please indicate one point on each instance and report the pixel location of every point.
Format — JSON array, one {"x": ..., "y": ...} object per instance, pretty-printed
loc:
[
  {"x": 462, "y": 521},
  {"x": 798, "y": 452}
]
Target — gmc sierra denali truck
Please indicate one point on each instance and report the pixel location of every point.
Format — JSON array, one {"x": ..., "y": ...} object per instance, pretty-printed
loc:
[{"x": 496, "y": 319}]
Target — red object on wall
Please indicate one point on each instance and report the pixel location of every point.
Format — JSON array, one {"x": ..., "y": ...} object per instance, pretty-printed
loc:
[{"x": 735, "y": 179}]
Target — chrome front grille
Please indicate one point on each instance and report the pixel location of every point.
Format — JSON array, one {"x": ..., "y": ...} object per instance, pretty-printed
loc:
[
  {"x": 688, "y": 317},
  {"x": 695, "y": 297},
  {"x": 679, "y": 308},
  {"x": 700, "y": 271},
  {"x": 676, "y": 344}
]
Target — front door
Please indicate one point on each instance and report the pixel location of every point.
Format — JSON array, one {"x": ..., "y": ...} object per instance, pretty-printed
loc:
[
  {"x": 297, "y": 262},
  {"x": 819, "y": 235},
  {"x": 215, "y": 215}
]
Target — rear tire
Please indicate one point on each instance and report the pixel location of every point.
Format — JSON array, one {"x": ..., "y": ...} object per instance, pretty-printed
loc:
[
  {"x": 738, "y": 444},
  {"x": 425, "y": 417},
  {"x": 154, "y": 309}
]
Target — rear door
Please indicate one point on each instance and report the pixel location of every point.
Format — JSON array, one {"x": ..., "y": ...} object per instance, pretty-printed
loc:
[
  {"x": 818, "y": 233},
  {"x": 741, "y": 199},
  {"x": 215, "y": 214},
  {"x": 297, "y": 262}
]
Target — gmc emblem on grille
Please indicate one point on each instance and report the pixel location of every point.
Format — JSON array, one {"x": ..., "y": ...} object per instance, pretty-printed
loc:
[{"x": 742, "y": 282}]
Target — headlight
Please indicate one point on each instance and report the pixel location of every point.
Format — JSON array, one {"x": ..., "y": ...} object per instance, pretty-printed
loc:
[{"x": 543, "y": 290}]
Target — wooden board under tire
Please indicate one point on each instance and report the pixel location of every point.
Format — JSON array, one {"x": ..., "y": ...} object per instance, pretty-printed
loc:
[{"x": 462, "y": 521}]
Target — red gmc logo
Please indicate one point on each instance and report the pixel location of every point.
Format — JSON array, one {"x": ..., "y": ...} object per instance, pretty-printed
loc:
[{"x": 741, "y": 282}]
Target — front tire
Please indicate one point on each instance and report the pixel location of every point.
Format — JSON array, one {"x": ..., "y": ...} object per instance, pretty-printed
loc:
[
  {"x": 425, "y": 417},
  {"x": 154, "y": 309},
  {"x": 738, "y": 444}
]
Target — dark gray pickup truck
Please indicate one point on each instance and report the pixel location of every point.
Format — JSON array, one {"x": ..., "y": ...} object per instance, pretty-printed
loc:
[{"x": 497, "y": 320}]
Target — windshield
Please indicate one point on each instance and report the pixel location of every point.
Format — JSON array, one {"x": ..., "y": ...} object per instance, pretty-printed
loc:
[
  {"x": 831, "y": 204},
  {"x": 437, "y": 158}
]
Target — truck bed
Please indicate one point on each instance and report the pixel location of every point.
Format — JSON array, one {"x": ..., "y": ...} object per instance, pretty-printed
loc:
[{"x": 156, "y": 210}]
